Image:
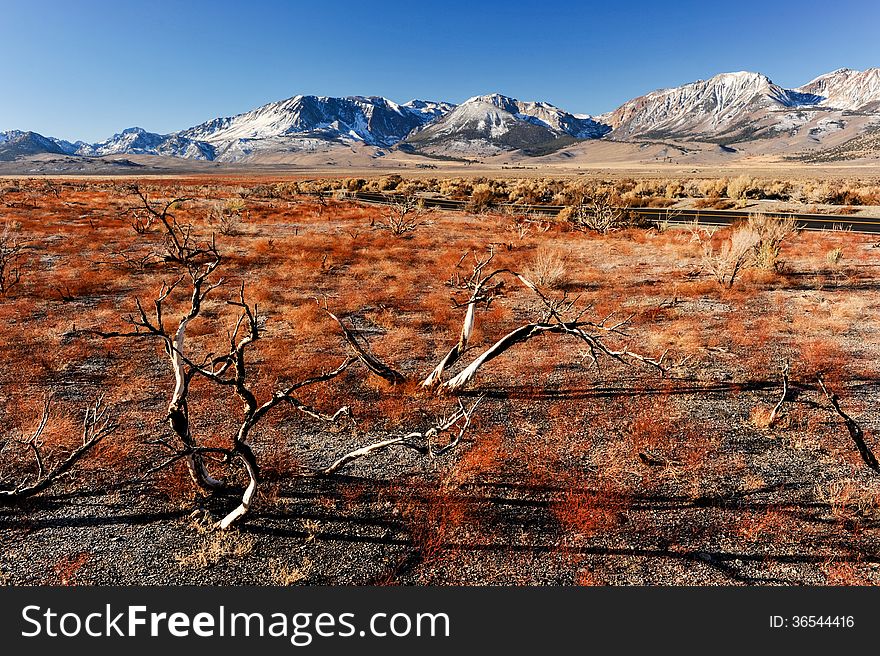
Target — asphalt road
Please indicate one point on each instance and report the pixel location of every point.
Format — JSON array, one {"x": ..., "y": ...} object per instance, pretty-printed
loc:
[{"x": 659, "y": 215}]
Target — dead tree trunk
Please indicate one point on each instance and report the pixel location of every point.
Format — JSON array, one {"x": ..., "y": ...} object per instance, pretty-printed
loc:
[
  {"x": 477, "y": 284},
  {"x": 372, "y": 362},
  {"x": 555, "y": 319},
  {"x": 227, "y": 371}
]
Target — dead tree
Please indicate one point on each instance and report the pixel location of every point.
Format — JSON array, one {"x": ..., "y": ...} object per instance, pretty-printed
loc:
[
  {"x": 228, "y": 371},
  {"x": 199, "y": 261},
  {"x": 181, "y": 244},
  {"x": 98, "y": 423},
  {"x": 174, "y": 342},
  {"x": 477, "y": 284},
  {"x": 559, "y": 316},
  {"x": 403, "y": 216}
]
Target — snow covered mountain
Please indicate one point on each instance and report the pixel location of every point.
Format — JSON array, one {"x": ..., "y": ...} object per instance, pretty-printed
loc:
[
  {"x": 16, "y": 143},
  {"x": 310, "y": 122},
  {"x": 741, "y": 111},
  {"x": 137, "y": 141},
  {"x": 485, "y": 125},
  {"x": 729, "y": 107},
  {"x": 429, "y": 109},
  {"x": 847, "y": 89}
]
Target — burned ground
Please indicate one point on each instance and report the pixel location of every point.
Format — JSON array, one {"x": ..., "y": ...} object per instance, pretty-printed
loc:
[{"x": 568, "y": 474}]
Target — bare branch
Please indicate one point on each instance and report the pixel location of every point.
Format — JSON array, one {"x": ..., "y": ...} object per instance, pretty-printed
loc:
[
  {"x": 855, "y": 431},
  {"x": 11, "y": 251},
  {"x": 774, "y": 415},
  {"x": 98, "y": 423},
  {"x": 403, "y": 216},
  {"x": 421, "y": 442},
  {"x": 372, "y": 362}
]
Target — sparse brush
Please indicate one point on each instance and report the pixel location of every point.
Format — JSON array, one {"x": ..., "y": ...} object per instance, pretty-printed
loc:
[
  {"x": 482, "y": 197},
  {"x": 761, "y": 416},
  {"x": 403, "y": 216},
  {"x": 771, "y": 232},
  {"x": 281, "y": 573},
  {"x": 227, "y": 219},
  {"x": 740, "y": 188},
  {"x": 756, "y": 243},
  {"x": 599, "y": 212},
  {"x": 848, "y": 496},
  {"x": 548, "y": 268},
  {"x": 734, "y": 254},
  {"x": 834, "y": 256},
  {"x": 216, "y": 547}
]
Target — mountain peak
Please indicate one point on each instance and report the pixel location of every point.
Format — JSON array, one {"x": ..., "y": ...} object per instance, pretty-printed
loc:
[
  {"x": 730, "y": 107},
  {"x": 846, "y": 88},
  {"x": 312, "y": 122},
  {"x": 492, "y": 123},
  {"x": 20, "y": 143}
]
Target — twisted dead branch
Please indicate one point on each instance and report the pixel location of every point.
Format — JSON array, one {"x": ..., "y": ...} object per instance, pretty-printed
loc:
[
  {"x": 228, "y": 370},
  {"x": 372, "y": 362},
  {"x": 181, "y": 244},
  {"x": 560, "y": 316},
  {"x": 98, "y": 423},
  {"x": 421, "y": 442},
  {"x": 774, "y": 414}
]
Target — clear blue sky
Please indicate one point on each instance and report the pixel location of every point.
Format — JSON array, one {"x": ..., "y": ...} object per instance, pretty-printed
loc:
[{"x": 83, "y": 69}]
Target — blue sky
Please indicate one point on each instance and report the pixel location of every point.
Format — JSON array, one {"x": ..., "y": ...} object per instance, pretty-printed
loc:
[{"x": 87, "y": 68}]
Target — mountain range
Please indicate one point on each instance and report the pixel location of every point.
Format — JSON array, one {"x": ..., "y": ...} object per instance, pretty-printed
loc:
[{"x": 836, "y": 115}]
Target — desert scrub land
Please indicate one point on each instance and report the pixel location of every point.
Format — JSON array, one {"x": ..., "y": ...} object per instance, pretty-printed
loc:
[
  {"x": 482, "y": 192},
  {"x": 645, "y": 421}
]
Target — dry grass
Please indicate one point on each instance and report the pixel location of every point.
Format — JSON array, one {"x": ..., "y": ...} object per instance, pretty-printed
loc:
[
  {"x": 548, "y": 268},
  {"x": 283, "y": 573},
  {"x": 625, "y": 431},
  {"x": 716, "y": 193},
  {"x": 215, "y": 547}
]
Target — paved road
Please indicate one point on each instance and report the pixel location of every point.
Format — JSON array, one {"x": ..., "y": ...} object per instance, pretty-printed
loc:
[{"x": 659, "y": 215}]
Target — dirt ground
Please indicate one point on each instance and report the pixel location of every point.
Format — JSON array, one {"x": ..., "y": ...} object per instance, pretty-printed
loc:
[{"x": 569, "y": 473}]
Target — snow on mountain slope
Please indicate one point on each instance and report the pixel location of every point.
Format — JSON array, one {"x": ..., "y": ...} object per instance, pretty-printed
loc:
[
  {"x": 18, "y": 143},
  {"x": 726, "y": 107},
  {"x": 297, "y": 122},
  {"x": 137, "y": 141},
  {"x": 846, "y": 88},
  {"x": 428, "y": 109},
  {"x": 494, "y": 123}
]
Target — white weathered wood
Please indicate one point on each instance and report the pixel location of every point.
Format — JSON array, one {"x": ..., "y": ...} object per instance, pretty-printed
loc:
[
  {"x": 246, "y": 499},
  {"x": 422, "y": 442},
  {"x": 774, "y": 415}
]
